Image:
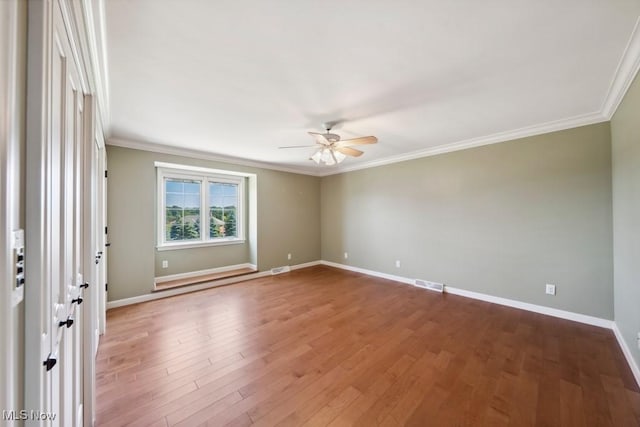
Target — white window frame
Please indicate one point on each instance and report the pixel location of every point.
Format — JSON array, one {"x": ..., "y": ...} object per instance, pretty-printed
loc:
[{"x": 205, "y": 176}]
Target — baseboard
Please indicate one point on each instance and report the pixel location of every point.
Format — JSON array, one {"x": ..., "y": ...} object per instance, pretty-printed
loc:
[
  {"x": 170, "y": 277},
  {"x": 184, "y": 290},
  {"x": 304, "y": 265},
  {"x": 627, "y": 353},
  {"x": 562, "y": 314},
  {"x": 576, "y": 317},
  {"x": 199, "y": 287},
  {"x": 368, "y": 272}
]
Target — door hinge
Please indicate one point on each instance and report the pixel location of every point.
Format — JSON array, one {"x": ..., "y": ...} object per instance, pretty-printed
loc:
[
  {"x": 105, "y": 230},
  {"x": 106, "y": 287},
  {"x": 105, "y": 174}
]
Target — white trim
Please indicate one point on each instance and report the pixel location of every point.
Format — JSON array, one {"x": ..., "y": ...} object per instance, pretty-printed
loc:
[
  {"x": 203, "y": 155},
  {"x": 368, "y": 272},
  {"x": 625, "y": 73},
  {"x": 97, "y": 55},
  {"x": 184, "y": 290},
  {"x": 576, "y": 317},
  {"x": 188, "y": 244},
  {"x": 627, "y": 353},
  {"x": 204, "y": 177},
  {"x": 510, "y": 135},
  {"x": 73, "y": 44},
  {"x": 178, "y": 276},
  {"x": 13, "y": 60},
  {"x": 304, "y": 265},
  {"x": 562, "y": 314},
  {"x": 39, "y": 35},
  {"x": 175, "y": 167},
  {"x": 193, "y": 288}
]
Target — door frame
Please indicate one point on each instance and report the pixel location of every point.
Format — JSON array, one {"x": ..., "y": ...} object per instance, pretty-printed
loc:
[
  {"x": 13, "y": 16},
  {"x": 39, "y": 39}
]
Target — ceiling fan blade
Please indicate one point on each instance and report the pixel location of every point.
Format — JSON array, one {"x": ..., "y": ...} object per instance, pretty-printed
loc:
[
  {"x": 320, "y": 138},
  {"x": 358, "y": 141},
  {"x": 298, "y": 146},
  {"x": 350, "y": 151}
]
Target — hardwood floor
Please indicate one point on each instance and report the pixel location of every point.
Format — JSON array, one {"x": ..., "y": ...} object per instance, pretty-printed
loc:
[{"x": 322, "y": 346}]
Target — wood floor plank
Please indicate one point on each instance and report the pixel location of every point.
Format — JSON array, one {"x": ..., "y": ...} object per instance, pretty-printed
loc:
[{"x": 321, "y": 346}]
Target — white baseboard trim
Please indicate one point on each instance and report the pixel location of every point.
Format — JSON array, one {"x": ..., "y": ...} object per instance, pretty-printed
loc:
[
  {"x": 184, "y": 290},
  {"x": 368, "y": 272},
  {"x": 199, "y": 287},
  {"x": 304, "y": 265},
  {"x": 170, "y": 277},
  {"x": 577, "y": 317},
  {"x": 627, "y": 353},
  {"x": 562, "y": 314}
]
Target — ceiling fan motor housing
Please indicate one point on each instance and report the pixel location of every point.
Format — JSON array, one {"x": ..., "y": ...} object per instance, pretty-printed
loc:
[{"x": 331, "y": 137}]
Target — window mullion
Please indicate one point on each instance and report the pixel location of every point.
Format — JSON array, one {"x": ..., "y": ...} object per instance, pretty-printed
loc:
[{"x": 204, "y": 209}]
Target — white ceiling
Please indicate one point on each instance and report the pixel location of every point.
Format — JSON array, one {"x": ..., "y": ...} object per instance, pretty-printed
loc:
[{"x": 240, "y": 78}]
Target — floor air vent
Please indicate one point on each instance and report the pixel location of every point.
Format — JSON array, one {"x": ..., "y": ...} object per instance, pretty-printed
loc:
[
  {"x": 280, "y": 270},
  {"x": 432, "y": 286}
]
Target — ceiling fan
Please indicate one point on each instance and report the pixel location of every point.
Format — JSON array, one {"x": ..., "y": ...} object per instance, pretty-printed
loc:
[{"x": 330, "y": 149}]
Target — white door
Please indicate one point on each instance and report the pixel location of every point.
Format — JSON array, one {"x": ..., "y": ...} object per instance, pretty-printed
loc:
[
  {"x": 101, "y": 239},
  {"x": 54, "y": 287},
  {"x": 90, "y": 220}
]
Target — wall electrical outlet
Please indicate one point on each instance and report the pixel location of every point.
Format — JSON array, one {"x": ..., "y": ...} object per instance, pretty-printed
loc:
[
  {"x": 398, "y": 263},
  {"x": 165, "y": 264},
  {"x": 550, "y": 289},
  {"x": 346, "y": 255},
  {"x": 639, "y": 340},
  {"x": 288, "y": 256}
]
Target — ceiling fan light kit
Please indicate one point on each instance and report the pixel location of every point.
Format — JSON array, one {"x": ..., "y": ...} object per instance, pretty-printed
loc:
[
  {"x": 327, "y": 156},
  {"x": 331, "y": 150}
]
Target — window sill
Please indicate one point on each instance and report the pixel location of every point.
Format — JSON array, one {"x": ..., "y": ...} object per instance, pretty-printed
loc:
[{"x": 190, "y": 245}]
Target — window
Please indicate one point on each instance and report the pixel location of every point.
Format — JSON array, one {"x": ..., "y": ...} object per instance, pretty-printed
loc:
[{"x": 199, "y": 206}]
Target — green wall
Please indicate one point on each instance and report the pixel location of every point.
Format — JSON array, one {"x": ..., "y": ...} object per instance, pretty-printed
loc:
[
  {"x": 288, "y": 209},
  {"x": 625, "y": 139},
  {"x": 503, "y": 219}
]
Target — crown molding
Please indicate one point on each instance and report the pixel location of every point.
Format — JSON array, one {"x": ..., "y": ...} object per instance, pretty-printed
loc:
[
  {"x": 95, "y": 24},
  {"x": 625, "y": 73},
  {"x": 203, "y": 155},
  {"x": 557, "y": 125},
  {"x": 572, "y": 122}
]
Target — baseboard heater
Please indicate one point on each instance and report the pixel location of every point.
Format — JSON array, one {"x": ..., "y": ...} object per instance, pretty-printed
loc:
[
  {"x": 280, "y": 270},
  {"x": 432, "y": 286}
]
